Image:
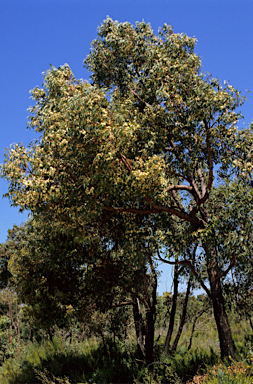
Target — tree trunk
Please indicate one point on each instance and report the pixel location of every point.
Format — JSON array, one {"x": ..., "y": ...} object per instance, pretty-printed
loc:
[
  {"x": 150, "y": 320},
  {"x": 224, "y": 331},
  {"x": 183, "y": 316},
  {"x": 149, "y": 345},
  {"x": 139, "y": 328},
  {"x": 173, "y": 311}
]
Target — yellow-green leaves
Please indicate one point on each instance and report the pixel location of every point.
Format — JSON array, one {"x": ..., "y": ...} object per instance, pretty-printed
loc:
[{"x": 150, "y": 143}]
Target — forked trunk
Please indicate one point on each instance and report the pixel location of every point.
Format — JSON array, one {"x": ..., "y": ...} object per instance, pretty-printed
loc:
[{"x": 224, "y": 331}]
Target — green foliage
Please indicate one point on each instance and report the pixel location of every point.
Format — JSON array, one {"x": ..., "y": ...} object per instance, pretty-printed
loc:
[
  {"x": 150, "y": 123},
  {"x": 4, "y": 338},
  {"x": 137, "y": 161},
  {"x": 51, "y": 277},
  {"x": 133, "y": 154},
  {"x": 187, "y": 365}
]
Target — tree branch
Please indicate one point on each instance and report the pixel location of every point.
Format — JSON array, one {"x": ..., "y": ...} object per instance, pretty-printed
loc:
[
  {"x": 210, "y": 165},
  {"x": 195, "y": 191},
  {"x": 126, "y": 162},
  {"x": 178, "y": 175},
  {"x": 174, "y": 194},
  {"x": 193, "y": 188},
  {"x": 179, "y": 187},
  {"x": 194, "y": 322},
  {"x": 156, "y": 209},
  {"x": 231, "y": 265},
  {"x": 121, "y": 304},
  {"x": 138, "y": 97},
  {"x": 203, "y": 187},
  {"x": 189, "y": 264}
]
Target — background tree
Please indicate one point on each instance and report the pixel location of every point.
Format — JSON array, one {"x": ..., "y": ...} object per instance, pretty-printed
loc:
[{"x": 55, "y": 277}]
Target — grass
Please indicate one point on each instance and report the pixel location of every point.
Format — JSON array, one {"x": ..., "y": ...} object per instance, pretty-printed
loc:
[{"x": 92, "y": 362}]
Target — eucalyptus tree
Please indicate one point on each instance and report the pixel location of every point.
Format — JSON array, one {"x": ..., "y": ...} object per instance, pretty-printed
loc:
[{"x": 141, "y": 140}]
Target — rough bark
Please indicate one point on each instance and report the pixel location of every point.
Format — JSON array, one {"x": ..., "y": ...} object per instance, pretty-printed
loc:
[
  {"x": 173, "y": 311},
  {"x": 183, "y": 316},
  {"x": 224, "y": 331}
]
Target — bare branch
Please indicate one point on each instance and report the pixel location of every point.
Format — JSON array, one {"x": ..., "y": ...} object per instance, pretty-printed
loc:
[
  {"x": 126, "y": 162},
  {"x": 231, "y": 265},
  {"x": 175, "y": 197},
  {"x": 157, "y": 209},
  {"x": 210, "y": 165},
  {"x": 189, "y": 264},
  {"x": 138, "y": 97},
  {"x": 178, "y": 175},
  {"x": 195, "y": 189},
  {"x": 203, "y": 187},
  {"x": 180, "y": 187}
]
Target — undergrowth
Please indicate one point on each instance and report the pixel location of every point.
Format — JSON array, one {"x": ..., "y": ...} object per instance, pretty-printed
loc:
[{"x": 94, "y": 362}]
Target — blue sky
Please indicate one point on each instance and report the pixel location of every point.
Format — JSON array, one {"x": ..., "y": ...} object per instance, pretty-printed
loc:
[{"x": 34, "y": 34}]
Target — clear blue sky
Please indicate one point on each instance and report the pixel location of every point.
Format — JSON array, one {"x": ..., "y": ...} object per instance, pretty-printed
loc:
[{"x": 36, "y": 33}]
